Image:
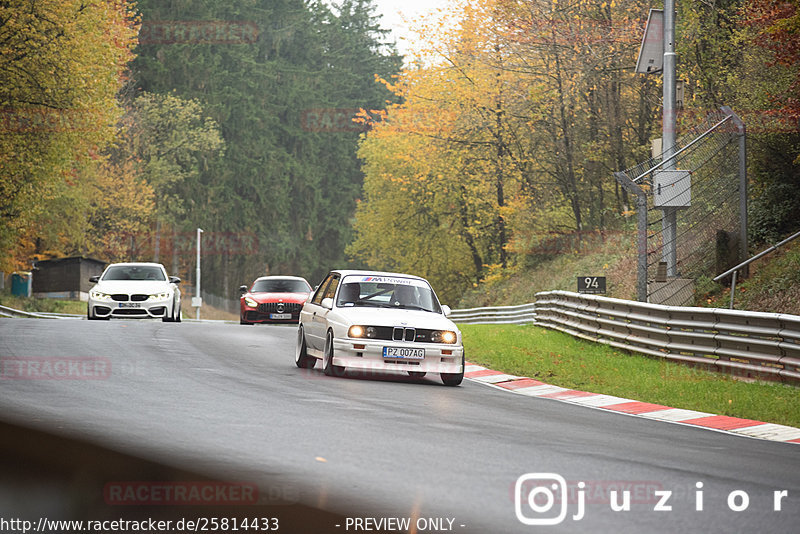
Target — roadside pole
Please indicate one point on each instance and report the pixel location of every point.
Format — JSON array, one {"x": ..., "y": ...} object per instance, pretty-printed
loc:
[{"x": 197, "y": 300}]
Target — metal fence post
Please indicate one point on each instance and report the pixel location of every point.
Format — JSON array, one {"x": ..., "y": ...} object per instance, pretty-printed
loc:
[
  {"x": 742, "y": 129},
  {"x": 641, "y": 233}
]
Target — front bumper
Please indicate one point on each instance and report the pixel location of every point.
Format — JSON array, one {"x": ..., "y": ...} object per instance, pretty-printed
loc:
[
  {"x": 255, "y": 316},
  {"x": 149, "y": 309},
  {"x": 368, "y": 354}
]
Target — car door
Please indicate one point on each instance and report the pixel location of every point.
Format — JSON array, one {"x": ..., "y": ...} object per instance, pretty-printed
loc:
[{"x": 316, "y": 323}]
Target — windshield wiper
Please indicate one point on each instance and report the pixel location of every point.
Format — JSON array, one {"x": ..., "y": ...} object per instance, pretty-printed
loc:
[
  {"x": 412, "y": 307},
  {"x": 370, "y": 304}
]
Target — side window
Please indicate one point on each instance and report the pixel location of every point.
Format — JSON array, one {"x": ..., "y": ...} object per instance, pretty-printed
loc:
[
  {"x": 320, "y": 294},
  {"x": 330, "y": 291}
]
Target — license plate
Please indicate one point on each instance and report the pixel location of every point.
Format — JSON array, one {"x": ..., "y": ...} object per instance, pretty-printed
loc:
[
  {"x": 280, "y": 315},
  {"x": 403, "y": 353},
  {"x": 130, "y": 305}
]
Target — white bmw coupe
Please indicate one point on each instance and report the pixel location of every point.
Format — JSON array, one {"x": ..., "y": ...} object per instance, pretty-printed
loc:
[
  {"x": 379, "y": 321},
  {"x": 135, "y": 290}
]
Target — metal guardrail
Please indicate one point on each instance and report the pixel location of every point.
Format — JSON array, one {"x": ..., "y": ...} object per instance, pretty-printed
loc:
[
  {"x": 11, "y": 312},
  {"x": 525, "y": 313},
  {"x": 747, "y": 344}
]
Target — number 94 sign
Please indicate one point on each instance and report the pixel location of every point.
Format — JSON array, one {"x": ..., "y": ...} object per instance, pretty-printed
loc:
[{"x": 594, "y": 285}]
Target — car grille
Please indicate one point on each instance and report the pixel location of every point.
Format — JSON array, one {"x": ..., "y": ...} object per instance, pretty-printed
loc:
[
  {"x": 398, "y": 333},
  {"x": 280, "y": 307},
  {"x": 404, "y": 334},
  {"x": 136, "y": 297}
]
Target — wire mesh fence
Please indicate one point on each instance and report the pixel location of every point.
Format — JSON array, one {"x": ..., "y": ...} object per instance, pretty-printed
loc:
[
  {"x": 229, "y": 305},
  {"x": 691, "y": 210}
]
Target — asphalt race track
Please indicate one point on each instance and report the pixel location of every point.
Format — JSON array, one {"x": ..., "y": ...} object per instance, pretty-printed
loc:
[{"x": 226, "y": 402}]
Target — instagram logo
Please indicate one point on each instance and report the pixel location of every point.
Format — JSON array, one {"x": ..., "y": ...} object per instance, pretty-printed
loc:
[{"x": 543, "y": 494}]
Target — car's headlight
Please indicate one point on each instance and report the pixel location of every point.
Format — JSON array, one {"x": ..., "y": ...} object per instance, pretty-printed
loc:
[
  {"x": 369, "y": 332},
  {"x": 444, "y": 336},
  {"x": 357, "y": 331},
  {"x": 97, "y": 295},
  {"x": 159, "y": 296},
  {"x": 250, "y": 302}
]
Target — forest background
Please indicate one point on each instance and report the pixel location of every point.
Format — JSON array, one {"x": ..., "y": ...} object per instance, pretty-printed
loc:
[{"x": 299, "y": 140}]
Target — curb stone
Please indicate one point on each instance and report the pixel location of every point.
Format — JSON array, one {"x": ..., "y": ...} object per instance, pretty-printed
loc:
[{"x": 534, "y": 388}]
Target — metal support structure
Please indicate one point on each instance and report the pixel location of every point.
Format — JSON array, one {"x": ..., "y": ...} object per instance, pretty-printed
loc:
[
  {"x": 745, "y": 263},
  {"x": 641, "y": 247},
  {"x": 757, "y": 256},
  {"x": 670, "y": 220}
]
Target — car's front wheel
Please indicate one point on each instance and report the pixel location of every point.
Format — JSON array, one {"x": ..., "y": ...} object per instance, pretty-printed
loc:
[
  {"x": 327, "y": 361},
  {"x": 454, "y": 379},
  {"x": 301, "y": 357}
]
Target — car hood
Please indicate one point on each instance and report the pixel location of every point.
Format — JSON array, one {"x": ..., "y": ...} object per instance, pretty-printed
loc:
[
  {"x": 298, "y": 298},
  {"x": 390, "y": 317},
  {"x": 147, "y": 287}
]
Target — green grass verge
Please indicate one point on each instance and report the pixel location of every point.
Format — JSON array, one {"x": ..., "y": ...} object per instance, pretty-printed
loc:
[
  {"x": 562, "y": 360},
  {"x": 42, "y": 305}
]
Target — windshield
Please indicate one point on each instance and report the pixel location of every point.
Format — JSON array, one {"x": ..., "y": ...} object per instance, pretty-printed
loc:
[
  {"x": 134, "y": 272},
  {"x": 388, "y": 292},
  {"x": 280, "y": 285}
]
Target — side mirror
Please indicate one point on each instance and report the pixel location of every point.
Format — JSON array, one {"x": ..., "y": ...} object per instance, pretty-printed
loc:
[
  {"x": 174, "y": 280},
  {"x": 94, "y": 279},
  {"x": 446, "y": 310},
  {"x": 242, "y": 289},
  {"x": 327, "y": 303}
]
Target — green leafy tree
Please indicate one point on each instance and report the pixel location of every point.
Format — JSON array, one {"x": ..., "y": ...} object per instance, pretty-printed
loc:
[{"x": 287, "y": 176}]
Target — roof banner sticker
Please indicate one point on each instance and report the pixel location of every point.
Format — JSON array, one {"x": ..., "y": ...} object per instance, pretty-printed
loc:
[{"x": 392, "y": 280}]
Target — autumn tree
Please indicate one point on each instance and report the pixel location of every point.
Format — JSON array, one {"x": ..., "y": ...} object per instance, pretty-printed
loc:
[
  {"x": 521, "y": 112},
  {"x": 170, "y": 141},
  {"x": 61, "y": 65}
]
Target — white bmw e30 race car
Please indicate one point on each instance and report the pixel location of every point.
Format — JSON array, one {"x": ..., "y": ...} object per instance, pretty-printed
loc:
[{"x": 379, "y": 321}]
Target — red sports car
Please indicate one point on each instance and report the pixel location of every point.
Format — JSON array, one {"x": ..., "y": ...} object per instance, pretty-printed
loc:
[{"x": 273, "y": 299}]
